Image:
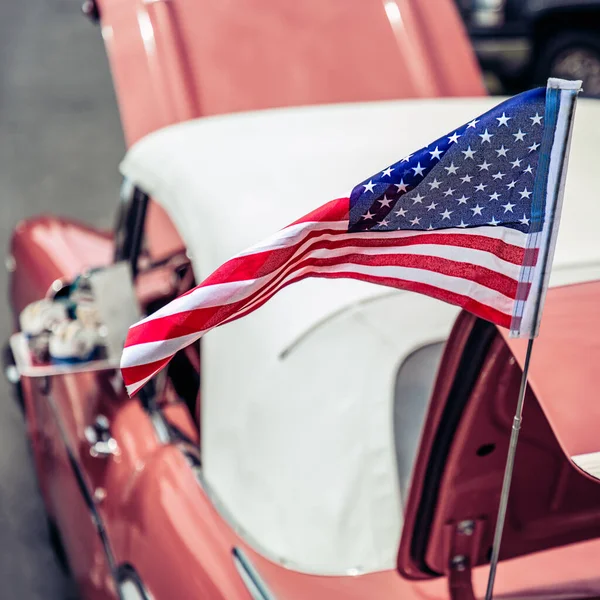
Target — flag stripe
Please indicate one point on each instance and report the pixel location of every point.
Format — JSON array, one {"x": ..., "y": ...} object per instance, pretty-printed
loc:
[
  {"x": 185, "y": 322},
  {"x": 207, "y": 295}
]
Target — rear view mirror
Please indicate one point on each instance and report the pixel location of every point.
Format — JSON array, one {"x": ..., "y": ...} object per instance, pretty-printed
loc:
[{"x": 82, "y": 330}]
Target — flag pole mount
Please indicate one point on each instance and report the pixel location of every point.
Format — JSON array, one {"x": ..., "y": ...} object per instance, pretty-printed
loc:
[{"x": 508, "y": 473}]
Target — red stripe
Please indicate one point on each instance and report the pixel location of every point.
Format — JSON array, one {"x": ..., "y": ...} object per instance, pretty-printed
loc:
[
  {"x": 335, "y": 210},
  {"x": 267, "y": 262},
  {"x": 192, "y": 321},
  {"x": 252, "y": 266},
  {"x": 478, "y": 308},
  {"x": 259, "y": 264},
  {"x": 137, "y": 373}
]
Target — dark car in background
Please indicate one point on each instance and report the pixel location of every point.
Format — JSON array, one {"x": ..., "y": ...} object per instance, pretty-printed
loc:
[{"x": 523, "y": 42}]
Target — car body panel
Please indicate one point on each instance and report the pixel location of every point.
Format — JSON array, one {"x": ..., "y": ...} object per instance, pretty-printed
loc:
[
  {"x": 569, "y": 336},
  {"x": 173, "y": 61},
  {"x": 465, "y": 440},
  {"x": 46, "y": 249}
]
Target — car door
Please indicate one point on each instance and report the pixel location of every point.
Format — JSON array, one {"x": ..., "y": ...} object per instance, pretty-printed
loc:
[{"x": 58, "y": 415}]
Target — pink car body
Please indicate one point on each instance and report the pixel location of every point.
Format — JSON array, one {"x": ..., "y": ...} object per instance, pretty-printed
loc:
[{"x": 138, "y": 524}]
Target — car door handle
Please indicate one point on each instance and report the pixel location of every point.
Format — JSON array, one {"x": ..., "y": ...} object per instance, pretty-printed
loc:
[{"x": 98, "y": 436}]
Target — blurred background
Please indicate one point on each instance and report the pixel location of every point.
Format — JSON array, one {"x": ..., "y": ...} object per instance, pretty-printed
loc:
[{"x": 61, "y": 142}]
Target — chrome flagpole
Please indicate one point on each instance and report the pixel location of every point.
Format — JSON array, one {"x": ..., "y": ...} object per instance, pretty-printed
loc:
[
  {"x": 560, "y": 107},
  {"x": 508, "y": 472}
]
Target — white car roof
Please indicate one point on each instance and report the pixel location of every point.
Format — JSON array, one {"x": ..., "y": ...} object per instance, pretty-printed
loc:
[{"x": 298, "y": 436}]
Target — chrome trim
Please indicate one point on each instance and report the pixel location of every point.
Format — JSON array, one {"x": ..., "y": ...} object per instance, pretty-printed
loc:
[
  {"x": 160, "y": 427},
  {"x": 254, "y": 582},
  {"x": 86, "y": 493}
]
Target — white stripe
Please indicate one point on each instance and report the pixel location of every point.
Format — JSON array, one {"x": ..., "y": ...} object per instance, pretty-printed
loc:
[
  {"x": 147, "y": 352},
  {"x": 134, "y": 387},
  {"x": 472, "y": 256},
  {"x": 139, "y": 354},
  {"x": 207, "y": 296},
  {"x": 230, "y": 292},
  {"x": 514, "y": 237},
  {"x": 457, "y": 253},
  {"x": 290, "y": 235},
  {"x": 457, "y": 285}
]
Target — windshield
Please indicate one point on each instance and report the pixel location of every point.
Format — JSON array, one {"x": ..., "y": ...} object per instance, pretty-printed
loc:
[{"x": 414, "y": 384}]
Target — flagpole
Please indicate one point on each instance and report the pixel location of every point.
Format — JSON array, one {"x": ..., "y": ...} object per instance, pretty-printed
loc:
[
  {"x": 508, "y": 472},
  {"x": 557, "y": 156}
]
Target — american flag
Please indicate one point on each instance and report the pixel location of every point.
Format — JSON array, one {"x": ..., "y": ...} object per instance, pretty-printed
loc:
[{"x": 461, "y": 220}]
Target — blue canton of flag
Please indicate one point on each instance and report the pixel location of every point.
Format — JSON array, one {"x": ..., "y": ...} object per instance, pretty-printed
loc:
[{"x": 482, "y": 173}]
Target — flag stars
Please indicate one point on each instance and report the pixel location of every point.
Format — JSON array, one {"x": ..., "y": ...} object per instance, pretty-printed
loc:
[
  {"x": 415, "y": 221},
  {"x": 508, "y": 207},
  {"x": 536, "y": 120},
  {"x": 385, "y": 201},
  {"x": 468, "y": 153},
  {"x": 462, "y": 224},
  {"x": 503, "y": 120},
  {"x": 401, "y": 212},
  {"x": 493, "y": 222},
  {"x": 435, "y": 184},
  {"x": 524, "y": 220},
  {"x": 533, "y": 147},
  {"x": 368, "y": 215},
  {"x": 499, "y": 175},
  {"x": 451, "y": 170},
  {"x": 466, "y": 178},
  {"x": 519, "y": 136},
  {"x": 446, "y": 214},
  {"x": 383, "y": 223},
  {"x": 486, "y": 137},
  {"x": 525, "y": 193},
  {"x": 480, "y": 187},
  {"x": 494, "y": 196},
  {"x": 406, "y": 158},
  {"x": 418, "y": 199},
  {"x": 484, "y": 166},
  {"x": 528, "y": 170},
  {"x": 448, "y": 192},
  {"x": 516, "y": 163},
  {"x": 502, "y": 151},
  {"x": 473, "y": 123},
  {"x": 477, "y": 210},
  {"x": 463, "y": 199},
  {"x": 401, "y": 187},
  {"x": 387, "y": 172},
  {"x": 454, "y": 138},
  {"x": 436, "y": 153},
  {"x": 432, "y": 206},
  {"x": 512, "y": 184},
  {"x": 418, "y": 169},
  {"x": 369, "y": 186}
]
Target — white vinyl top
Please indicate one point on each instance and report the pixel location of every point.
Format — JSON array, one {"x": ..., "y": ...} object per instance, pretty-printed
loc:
[{"x": 298, "y": 397}]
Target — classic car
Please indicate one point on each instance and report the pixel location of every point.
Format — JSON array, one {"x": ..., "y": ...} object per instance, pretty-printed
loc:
[
  {"x": 352, "y": 439},
  {"x": 345, "y": 440},
  {"x": 524, "y": 42}
]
